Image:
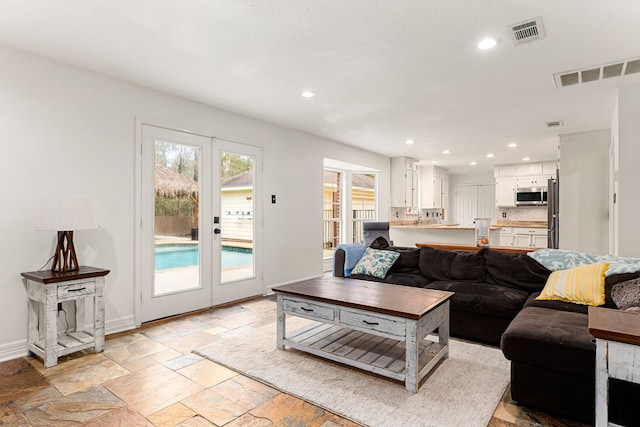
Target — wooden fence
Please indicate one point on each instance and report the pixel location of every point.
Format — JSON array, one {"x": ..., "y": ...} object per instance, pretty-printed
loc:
[{"x": 173, "y": 226}]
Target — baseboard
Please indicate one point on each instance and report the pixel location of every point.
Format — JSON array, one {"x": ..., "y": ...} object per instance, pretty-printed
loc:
[
  {"x": 122, "y": 324},
  {"x": 13, "y": 350},
  {"x": 16, "y": 349}
]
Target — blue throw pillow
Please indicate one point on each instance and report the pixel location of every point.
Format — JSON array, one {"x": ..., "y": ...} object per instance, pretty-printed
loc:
[{"x": 375, "y": 263}]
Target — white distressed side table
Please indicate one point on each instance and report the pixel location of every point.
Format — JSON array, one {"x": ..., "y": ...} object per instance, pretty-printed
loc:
[
  {"x": 45, "y": 290},
  {"x": 617, "y": 353}
]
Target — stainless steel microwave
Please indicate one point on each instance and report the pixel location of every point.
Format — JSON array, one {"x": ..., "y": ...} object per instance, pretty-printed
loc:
[{"x": 534, "y": 196}]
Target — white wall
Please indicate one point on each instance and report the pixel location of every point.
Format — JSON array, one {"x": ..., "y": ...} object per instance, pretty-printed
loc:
[
  {"x": 66, "y": 131},
  {"x": 628, "y": 194},
  {"x": 584, "y": 192}
]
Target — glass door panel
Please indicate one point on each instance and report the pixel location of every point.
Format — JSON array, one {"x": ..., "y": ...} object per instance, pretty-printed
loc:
[
  {"x": 237, "y": 207},
  {"x": 175, "y": 235},
  {"x": 237, "y": 224},
  {"x": 176, "y": 220}
]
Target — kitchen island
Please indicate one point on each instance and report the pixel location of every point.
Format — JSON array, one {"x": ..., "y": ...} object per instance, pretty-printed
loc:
[{"x": 408, "y": 234}]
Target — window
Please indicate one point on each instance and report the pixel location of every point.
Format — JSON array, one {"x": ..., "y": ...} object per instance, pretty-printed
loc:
[
  {"x": 346, "y": 207},
  {"x": 332, "y": 208},
  {"x": 363, "y": 202}
]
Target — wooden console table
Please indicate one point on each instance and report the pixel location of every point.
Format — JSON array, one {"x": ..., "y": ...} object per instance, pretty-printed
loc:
[
  {"x": 47, "y": 289},
  {"x": 617, "y": 353},
  {"x": 461, "y": 247}
]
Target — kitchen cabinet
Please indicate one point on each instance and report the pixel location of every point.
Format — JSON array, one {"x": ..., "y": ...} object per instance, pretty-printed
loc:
[
  {"x": 528, "y": 169},
  {"x": 525, "y": 169},
  {"x": 549, "y": 168},
  {"x": 532, "y": 181},
  {"x": 440, "y": 192},
  {"x": 506, "y": 236},
  {"x": 530, "y": 237},
  {"x": 522, "y": 175},
  {"x": 434, "y": 187},
  {"x": 404, "y": 182},
  {"x": 504, "y": 170},
  {"x": 505, "y": 192}
]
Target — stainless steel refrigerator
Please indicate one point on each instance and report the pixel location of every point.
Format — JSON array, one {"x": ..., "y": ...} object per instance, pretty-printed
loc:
[{"x": 553, "y": 208}]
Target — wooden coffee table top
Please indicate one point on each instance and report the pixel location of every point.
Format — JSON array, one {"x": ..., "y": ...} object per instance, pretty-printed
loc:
[
  {"x": 395, "y": 300},
  {"x": 614, "y": 325}
]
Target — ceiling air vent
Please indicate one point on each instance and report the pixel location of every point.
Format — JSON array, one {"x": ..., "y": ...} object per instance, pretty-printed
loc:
[
  {"x": 526, "y": 31},
  {"x": 554, "y": 124},
  {"x": 599, "y": 72}
]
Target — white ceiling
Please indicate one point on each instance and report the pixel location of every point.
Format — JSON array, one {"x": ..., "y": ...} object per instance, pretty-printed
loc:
[{"x": 383, "y": 70}]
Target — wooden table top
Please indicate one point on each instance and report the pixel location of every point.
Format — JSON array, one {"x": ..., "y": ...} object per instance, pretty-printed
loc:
[
  {"x": 385, "y": 298},
  {"x": 463, "y": 247},
  {"x": 48, "y": 276},
  {"x": 614, "y": 325}
]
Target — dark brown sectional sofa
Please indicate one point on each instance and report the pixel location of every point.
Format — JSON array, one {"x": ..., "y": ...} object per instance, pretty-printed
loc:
[{"x": 551, "y": 351}]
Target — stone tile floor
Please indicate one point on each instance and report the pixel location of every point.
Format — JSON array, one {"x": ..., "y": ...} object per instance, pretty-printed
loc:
[{"x": 149, "y": 377}]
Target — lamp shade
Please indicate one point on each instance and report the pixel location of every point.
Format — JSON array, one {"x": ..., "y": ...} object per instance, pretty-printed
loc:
[{"x": 64, "y": 214}]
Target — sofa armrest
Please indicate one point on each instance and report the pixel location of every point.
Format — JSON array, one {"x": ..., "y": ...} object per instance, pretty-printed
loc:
[{"x": 338, "y": 263}]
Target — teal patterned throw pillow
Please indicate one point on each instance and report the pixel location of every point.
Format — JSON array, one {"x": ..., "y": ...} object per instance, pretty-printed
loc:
[
  {"x": 375, "y": 263},
  {"x": 563, "y": 259}
]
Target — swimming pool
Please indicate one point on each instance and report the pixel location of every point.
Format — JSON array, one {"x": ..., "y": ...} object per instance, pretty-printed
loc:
[{"x": 186, "y": 255}]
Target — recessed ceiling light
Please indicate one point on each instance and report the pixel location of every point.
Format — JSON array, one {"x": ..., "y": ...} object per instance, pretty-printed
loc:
[
  {"x": 446, "y": 152},
  {"x": 473, "y": 163},
  {"x": 487, "y": 43},
  {"x": 512, "y": 145},
  {"x": 490, "y": 155},
  {"x": 525, "y": 159},
  {"x": 308, "y": 94},
  {"x": 409, "y": 141},
  {"x": 435, "y": 162}
]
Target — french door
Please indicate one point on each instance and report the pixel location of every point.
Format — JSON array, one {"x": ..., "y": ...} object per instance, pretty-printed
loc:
[{"x": 199, "y": 233}]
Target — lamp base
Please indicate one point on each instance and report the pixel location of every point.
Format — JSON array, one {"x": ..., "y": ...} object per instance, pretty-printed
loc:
[{"x": 65, "y": 257}]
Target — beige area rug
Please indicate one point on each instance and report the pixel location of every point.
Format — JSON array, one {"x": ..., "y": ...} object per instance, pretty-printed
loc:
[{"x": 464, "y": 389}]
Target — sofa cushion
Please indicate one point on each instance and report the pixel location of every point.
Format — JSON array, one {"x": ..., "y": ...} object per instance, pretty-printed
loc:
[
  {"x": 440, "y": 264},
  {"x": 375, "y": 263},
  {"x": 483, "y": 298},
  {"x": 532, "y": 301},
  {"x": 407, "y": 262},
  {"x": 379, "y": 243},
  {"x": 516, "y": 270},
  {"x": 551, "y": 339},
  {"x": 581, "y": 285}
]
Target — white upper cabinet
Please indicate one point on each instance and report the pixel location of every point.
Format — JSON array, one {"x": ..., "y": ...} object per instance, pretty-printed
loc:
[
  {"x": 434, "y": 187},
  {"x": 549, "y": 168},
  {"x": 504, "y": 170},
  {"x": 532, "y": 181},
  {"x": 506, "y": 192},
  {"x": 522, "y": 175},
  {"x": 529, "y": 169},
  {"x": 404, "y": 182}
]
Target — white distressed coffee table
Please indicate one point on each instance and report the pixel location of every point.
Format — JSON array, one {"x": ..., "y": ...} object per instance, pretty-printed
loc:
[{"x": 377, "y": 327}]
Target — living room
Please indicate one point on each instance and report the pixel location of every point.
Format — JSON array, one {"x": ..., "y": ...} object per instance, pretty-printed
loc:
[{"x": 75, "y": 131}]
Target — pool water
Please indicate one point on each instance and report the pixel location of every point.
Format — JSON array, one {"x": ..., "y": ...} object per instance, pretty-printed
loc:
[{"x": 186, "y": 255}]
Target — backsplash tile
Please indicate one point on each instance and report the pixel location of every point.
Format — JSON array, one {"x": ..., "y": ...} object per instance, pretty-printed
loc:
[{"x": 534, "y": 213}]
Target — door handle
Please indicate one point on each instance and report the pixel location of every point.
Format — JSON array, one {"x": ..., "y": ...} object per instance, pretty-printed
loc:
[{"x": 216, "y": 231}]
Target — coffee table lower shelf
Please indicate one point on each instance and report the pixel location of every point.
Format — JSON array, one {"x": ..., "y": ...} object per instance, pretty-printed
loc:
[{"x": 380, "y": 355}]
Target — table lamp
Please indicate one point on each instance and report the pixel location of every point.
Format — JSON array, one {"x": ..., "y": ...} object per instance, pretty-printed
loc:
[{"x": 64, "y": 216}]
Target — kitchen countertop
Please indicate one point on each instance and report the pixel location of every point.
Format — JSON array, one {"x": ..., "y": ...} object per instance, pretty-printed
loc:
[
  {"x": 497, "y": 226},
  {"x": 526, "y": 224}
]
